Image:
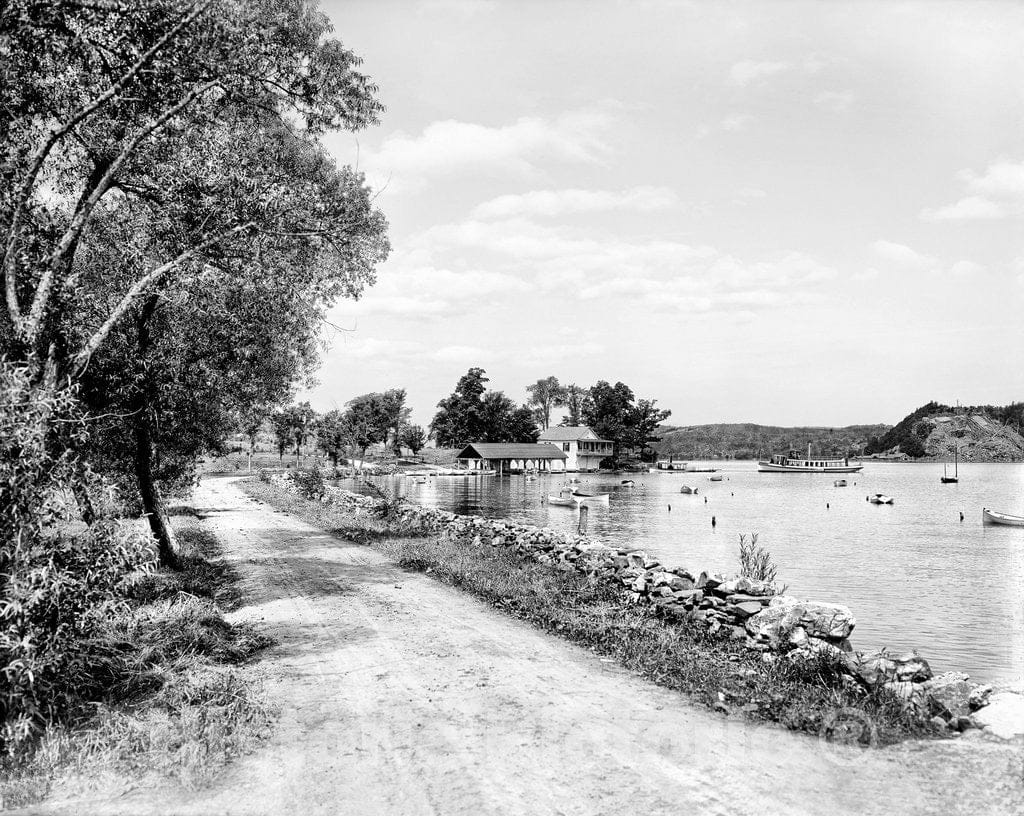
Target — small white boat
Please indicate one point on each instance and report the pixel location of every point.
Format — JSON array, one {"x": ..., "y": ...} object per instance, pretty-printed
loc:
[
  {"x": 587, "y": 496},
  {"x": 420, "y": 480},
  {"x": 714, "y": 478},
  {"x": 840, "y": 482},
  {"x": 687, "y": 489},
  {"x": 562, "y": 501},
  {"x": 881, "y": 498},
  {"x": 628, "y": 483},
  {"x": 994, "y": 517}
]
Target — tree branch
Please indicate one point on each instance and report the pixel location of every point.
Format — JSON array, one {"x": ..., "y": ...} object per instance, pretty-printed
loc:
[
  {"x": 140, "y": 287},
  {"x": 33, "y": 323},
  {"x": 56, "y": 134}
]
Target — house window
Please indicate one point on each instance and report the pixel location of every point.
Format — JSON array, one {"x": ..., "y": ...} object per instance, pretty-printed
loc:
[{"x": 565, "y": 447}]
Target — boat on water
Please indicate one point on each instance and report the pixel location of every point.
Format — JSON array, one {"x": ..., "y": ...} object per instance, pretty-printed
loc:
[
  {"x": 881, "y": 498},
  {"x": 563, "y": 499},
  {"x": 588, "y": 496},
  {"x": 628, "y": 483},
  {"x": 945, "y": 478},
  {"x": 687, "y": 489},
  {"x": 839, "y": 483},
  {"x": 794, "y": 462},
  {"x": 995, "y": 517},
  {"x": 714, "y": 478}
]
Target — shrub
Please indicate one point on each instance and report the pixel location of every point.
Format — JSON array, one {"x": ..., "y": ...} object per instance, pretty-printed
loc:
[
  {"x": 57, "y": 587},
  {"x": 311, "y": 483},
  {"x": 756, "y": 562}
]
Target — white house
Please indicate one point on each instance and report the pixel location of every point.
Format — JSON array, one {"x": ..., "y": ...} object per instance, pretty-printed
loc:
[{"x": 583, "y": 448}]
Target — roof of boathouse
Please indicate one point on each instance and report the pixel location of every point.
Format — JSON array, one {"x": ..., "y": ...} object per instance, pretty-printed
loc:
[
  {"x": 571, "y": 434},
  {"x": 521, "y": 450}
]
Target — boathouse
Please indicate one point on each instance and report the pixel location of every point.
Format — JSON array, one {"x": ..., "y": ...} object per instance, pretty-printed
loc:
[
  {"x": 511, "y": 457},
  {"x": 583, "y": 448}
]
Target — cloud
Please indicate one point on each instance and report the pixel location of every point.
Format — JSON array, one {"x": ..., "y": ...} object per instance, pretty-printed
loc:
[
  {"x": 550, "y": 203},
  {"x": 736, "y": 121},
  {"x": 520, "y": 148},
  {"x": 966, "y": 269},
  {"x": 459, "y": 354},
  {"x": 425, "y": 292},
  {"x": 372, "y": 348},
  {"x": 901, "y": 255},
  {"x": 751, "y": 192},
  {"x": 836, "y": 101},
  {"x": 969, "y": 208},
  {"x": 998, "y": 192},
  {"x": 461, "y": 8},
  {"x": 748, "y": 71}
]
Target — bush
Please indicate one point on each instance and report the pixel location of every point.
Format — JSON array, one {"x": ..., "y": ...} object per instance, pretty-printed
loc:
[
  {"x": 57, "y": 588},
  {"x": 756, "y": 562},
  {"x": 311, "y": 483}
]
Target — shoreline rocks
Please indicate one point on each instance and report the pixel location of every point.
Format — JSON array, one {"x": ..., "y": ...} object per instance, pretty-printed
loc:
[{"x": 728, "y": 606}]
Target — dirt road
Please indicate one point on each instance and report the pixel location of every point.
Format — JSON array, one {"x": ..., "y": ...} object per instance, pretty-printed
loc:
[{"x": 402, "y": 696}]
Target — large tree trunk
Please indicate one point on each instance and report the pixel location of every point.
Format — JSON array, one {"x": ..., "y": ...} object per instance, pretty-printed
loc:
[{"x": 152, "y": 501}]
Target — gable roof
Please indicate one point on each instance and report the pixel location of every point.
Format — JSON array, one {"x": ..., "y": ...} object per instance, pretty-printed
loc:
[
  {"x": 559, "y": 434},
  {"x": 522, "y": 450}
]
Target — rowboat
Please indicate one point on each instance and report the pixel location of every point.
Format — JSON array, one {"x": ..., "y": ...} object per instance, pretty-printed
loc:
[
  {"x": 839, "y": 483},
  {"x": 881, "y": 498},
  {"x": 993, "y": 517},
  {"x": 628, "y": 483},
  {"x": 687, "y": 489},
  {"x": 559, "y": 501},
  {"x": 587, "y": 496},
  {"x": 714, "y": 478}
]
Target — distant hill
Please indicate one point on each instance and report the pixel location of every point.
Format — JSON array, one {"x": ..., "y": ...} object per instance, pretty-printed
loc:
[
  {"x": 749, "y": 441},
  {"x": 981, "y": 433}
]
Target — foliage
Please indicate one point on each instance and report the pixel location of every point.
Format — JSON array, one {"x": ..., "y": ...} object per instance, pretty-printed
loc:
[
  {"x": 611, "y": 413},
  {"x": 458, "y": 418},
  {"x": 750, "y": 441},
  {"x": 574, "y": 397},
  {"x": 756, "y": 562},
  {"x": 501, "y": 420},
  {"x": 903, "y": 431},
  {"x": 56, "y": 588},
  {"x": 311, "y": 483},
  {"x": 414, "y": 438},
  {"x": 545, "y": 395},
  {"x": 333, "y": 434}
]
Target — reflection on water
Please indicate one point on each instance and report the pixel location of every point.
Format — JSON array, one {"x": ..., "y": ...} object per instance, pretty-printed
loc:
[{"x": 913, "y": 573}]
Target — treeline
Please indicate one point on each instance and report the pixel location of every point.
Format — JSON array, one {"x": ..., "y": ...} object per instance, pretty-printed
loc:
[
  {"x": 473, "y": 414},
  {"x": 173, "y": 231},
  {"x": 910, "y": 433},
  {"x": 751, "y": 441}
]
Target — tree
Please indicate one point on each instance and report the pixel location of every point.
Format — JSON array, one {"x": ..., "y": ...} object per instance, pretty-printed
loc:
[
  {"x": 369, "y": 420},
  {"x": 283, "y": 431},
  {"x": 642, "y": 422},
  {"x": 194, "y": 128},
  {"x": 545, "y": 394},
  {"x": 251, "y": 421},
  {"x": 611, "y": 413},
  {"x": 458, "y": 420},
  {"x": 574, "y": 398},
  {"x": 396, "y": 413},
  {"x": 303, "y": 419},
  {"x": 414, "y": 438},
  {"x": 333, "y": 434}
]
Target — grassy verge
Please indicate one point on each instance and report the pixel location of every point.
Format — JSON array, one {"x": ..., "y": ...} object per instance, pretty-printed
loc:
[
  {"x": 719, "y": 673},
  {"x": 178, "y": 703}
]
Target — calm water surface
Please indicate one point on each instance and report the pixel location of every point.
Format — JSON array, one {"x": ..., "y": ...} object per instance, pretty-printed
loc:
[{"x": 913, "y": 573}]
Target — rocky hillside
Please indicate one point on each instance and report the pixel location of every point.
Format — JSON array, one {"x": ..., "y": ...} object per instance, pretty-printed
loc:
[
  {"x": 978, "y": 434},
  {"x": 750, "y": 441}
]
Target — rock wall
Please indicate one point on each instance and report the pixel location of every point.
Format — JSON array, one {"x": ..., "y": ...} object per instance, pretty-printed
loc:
[{"x": 778, "y": 626}]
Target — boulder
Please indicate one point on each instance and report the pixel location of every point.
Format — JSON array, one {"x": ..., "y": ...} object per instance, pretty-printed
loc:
[
  {"x": 747, "y": 586},
  {"x": 912, "y": 667},
  {"x": 910, "y": 695},
  {"x": 979, "y": 697},
  {"x": 949, "y": 695},
  {"x": 1003, "y": 716},
  {"x": 775, "y": 622},
  {"x": 814, "y": 649},
  {"x": 709, "y": 580},
  {"x": 743, "y": 610}
]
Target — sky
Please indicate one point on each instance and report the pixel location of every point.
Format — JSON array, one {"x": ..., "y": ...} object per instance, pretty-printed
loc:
[{"x": 789, "y": 213}]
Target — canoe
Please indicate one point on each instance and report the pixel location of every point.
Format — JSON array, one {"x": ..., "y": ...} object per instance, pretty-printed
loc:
[
  {"x": 881, "y": 498},
  {"x": 994, "y": 517}
]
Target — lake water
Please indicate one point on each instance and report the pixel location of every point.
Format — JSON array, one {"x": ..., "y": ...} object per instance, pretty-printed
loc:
[{"x": 912, "y": 572}]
